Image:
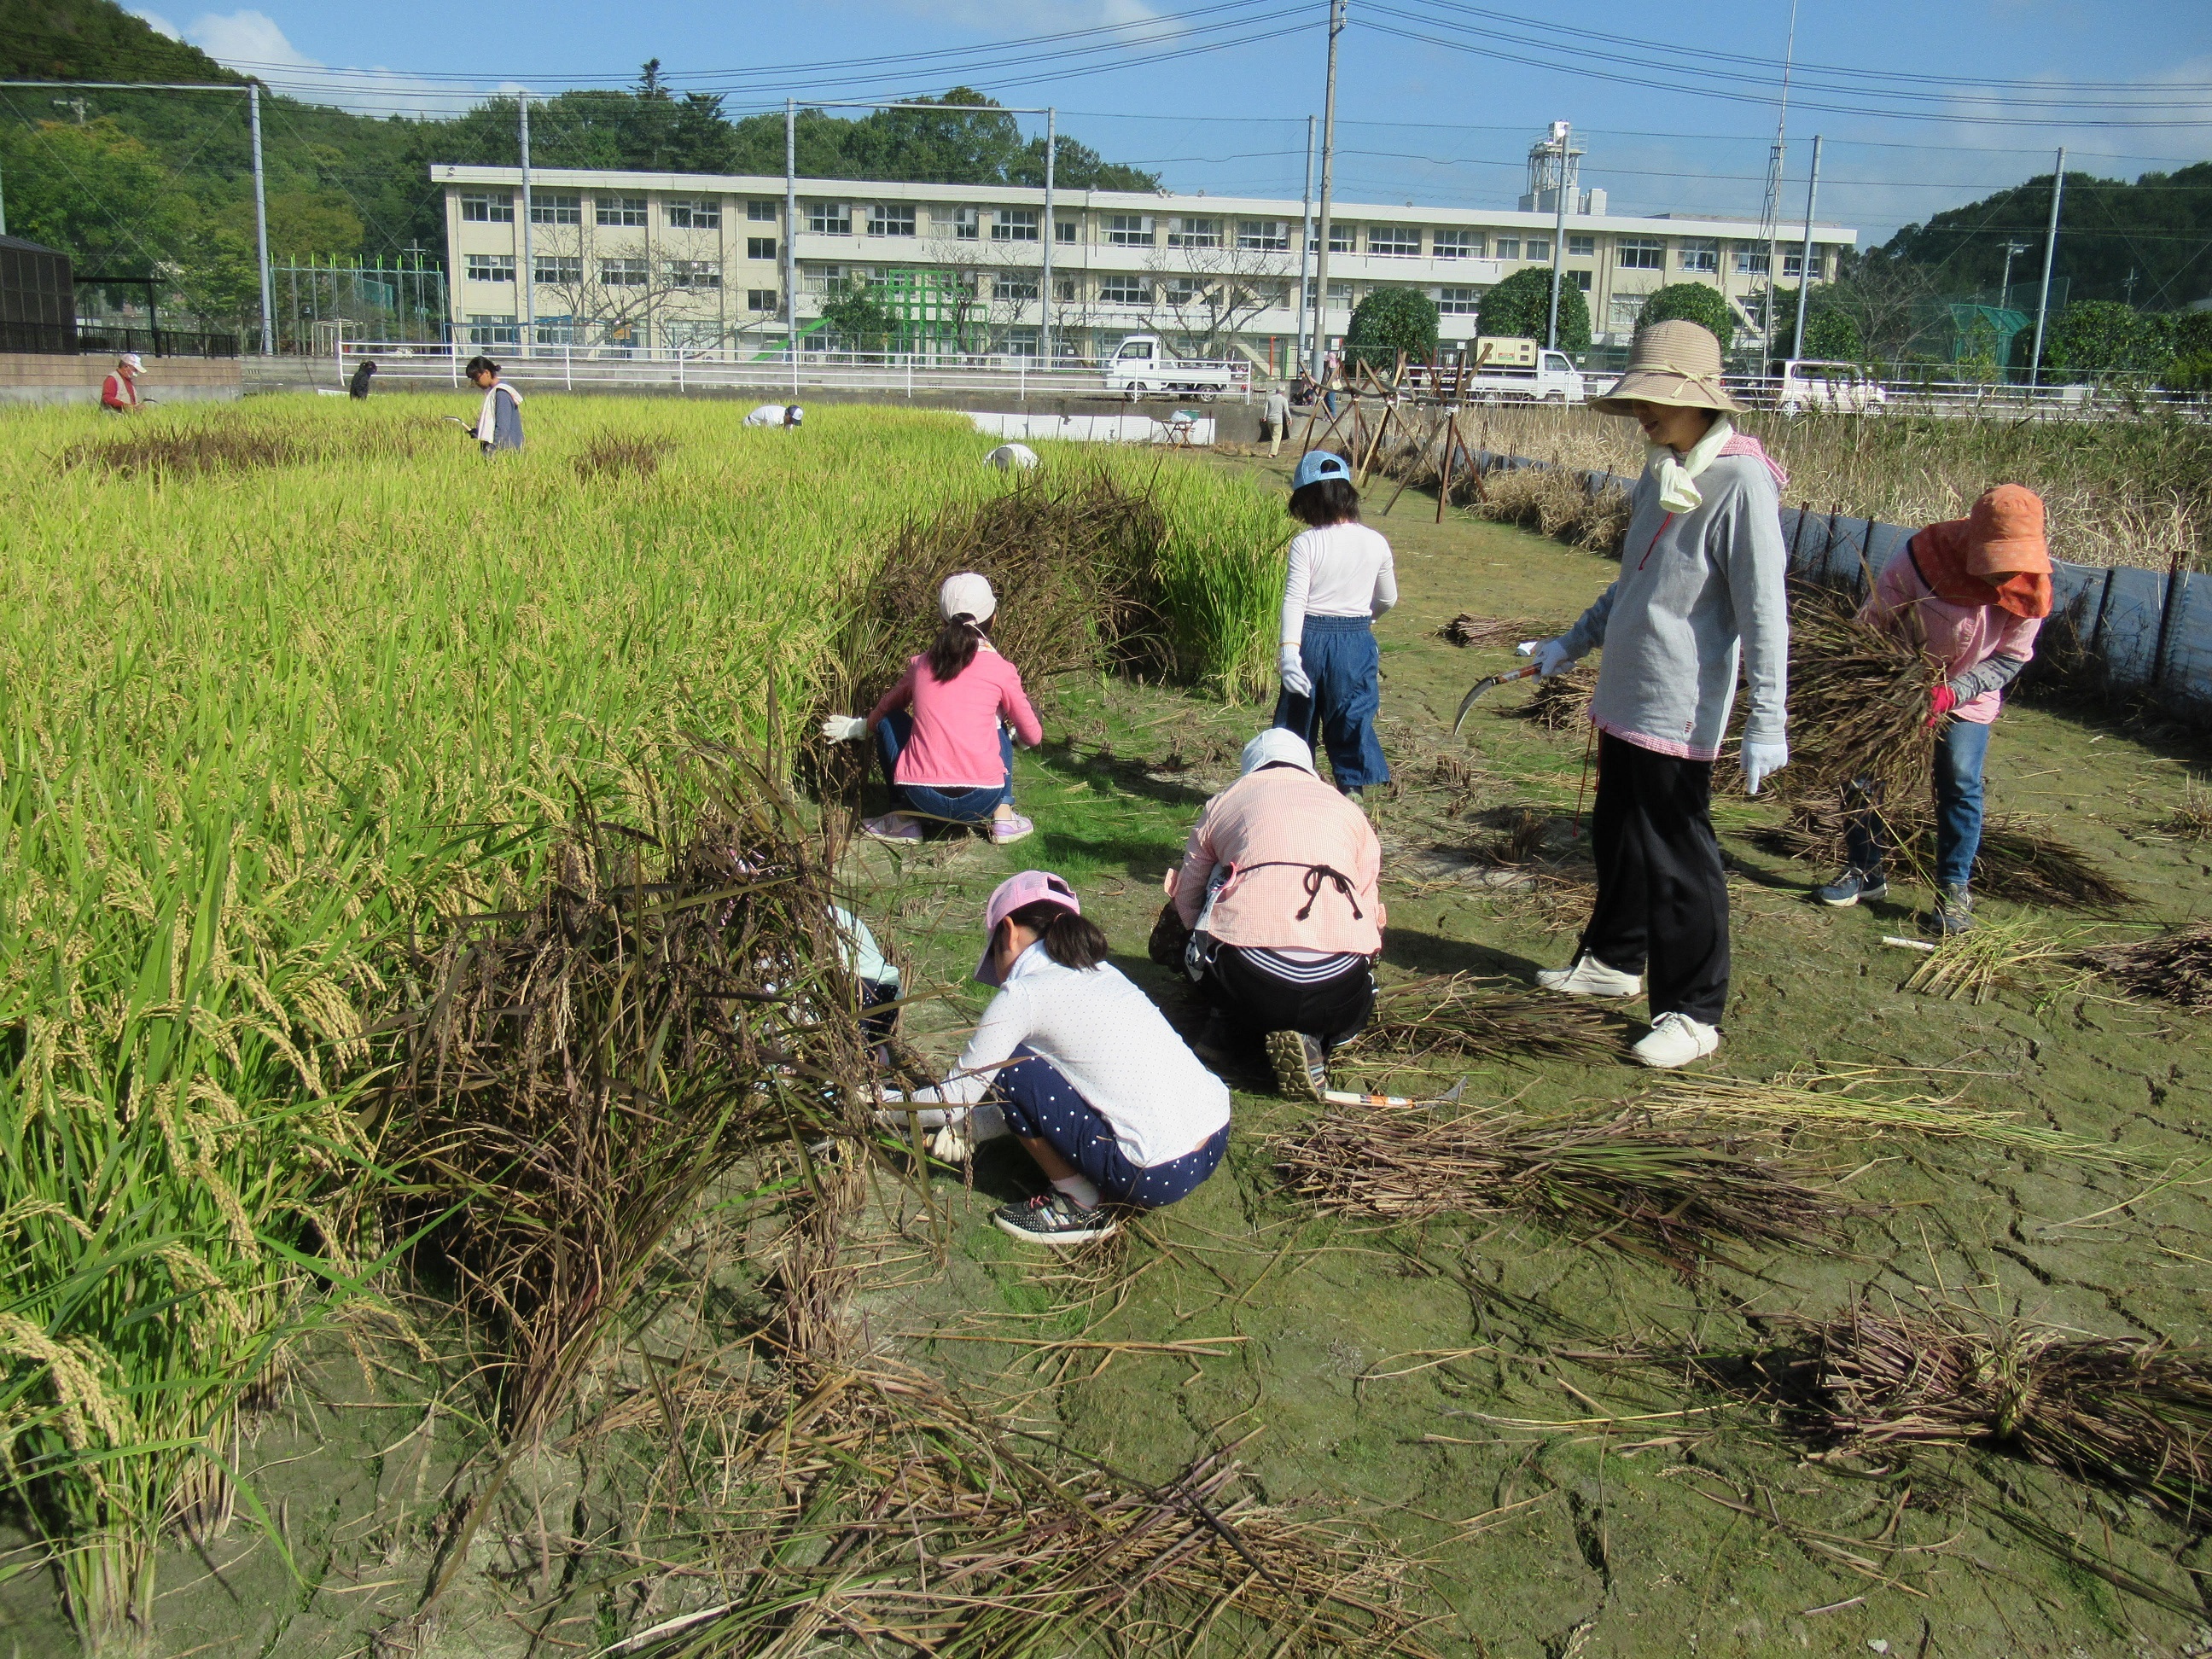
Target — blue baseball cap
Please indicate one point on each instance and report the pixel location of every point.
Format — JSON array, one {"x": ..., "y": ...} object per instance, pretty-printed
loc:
[{"x": 1316, "y": 465}]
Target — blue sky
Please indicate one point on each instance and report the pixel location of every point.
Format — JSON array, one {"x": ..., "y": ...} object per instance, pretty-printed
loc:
[{"x": 1438, "y": 100}]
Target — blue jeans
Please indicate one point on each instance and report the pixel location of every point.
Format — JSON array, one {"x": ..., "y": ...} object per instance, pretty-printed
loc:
[
  {"x": 1041, "y": 1103},
  {"x": 955, "y": 805},
  {"x": 1346, "y": 667},
  {"x": 1960, "y": 748}
]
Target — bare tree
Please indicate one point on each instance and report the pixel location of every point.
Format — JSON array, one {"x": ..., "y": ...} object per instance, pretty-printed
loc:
[
  {"x": 1215, "y": 277},
  {"x": 622, "y": 292},
  {"x": 1885, "y": 298}
]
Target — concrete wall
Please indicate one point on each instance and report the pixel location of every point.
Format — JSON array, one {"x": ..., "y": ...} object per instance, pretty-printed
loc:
[{"x": 29, "y": 376}]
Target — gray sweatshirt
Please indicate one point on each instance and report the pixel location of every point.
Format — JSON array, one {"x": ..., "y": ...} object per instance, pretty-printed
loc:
[{"x": 1696, "y": 590}]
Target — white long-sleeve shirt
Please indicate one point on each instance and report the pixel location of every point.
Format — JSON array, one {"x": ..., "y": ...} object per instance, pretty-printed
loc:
[
  {"x": 1338, "y": 570},
  {"x": 1107, "y": 1039}
]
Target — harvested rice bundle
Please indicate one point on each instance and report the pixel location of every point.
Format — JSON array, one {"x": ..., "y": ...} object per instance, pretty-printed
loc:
[
  {"x": 1463, "y": 1018},
  {"x": 2176, "y": 966},
  {"x": 1467, "y": 628},
  {"x": 2134, "y": 1414},
  {"x": 1554, "y": 502},
  {"x": 1562, "y": 702},
  {"x": 2019, "y": 859},
  {"x": 1858, "y": 703},
  {"x": 1677, "y": 1197}
]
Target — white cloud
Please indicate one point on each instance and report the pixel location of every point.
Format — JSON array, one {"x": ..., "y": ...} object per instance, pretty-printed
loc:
[
  {"x": 1017, "y": 18},
  {"x": 159, "y": 24},
  {"x": 253, "y": 43}
]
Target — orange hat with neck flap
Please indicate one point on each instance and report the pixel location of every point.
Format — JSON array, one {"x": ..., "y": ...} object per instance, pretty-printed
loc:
[{"x": 1997, "y": 555}]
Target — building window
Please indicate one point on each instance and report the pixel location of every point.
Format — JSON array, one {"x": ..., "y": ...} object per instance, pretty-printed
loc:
[
  {"x": 1185, "y": 291},
  {"x": 1018, "y": 343},
  {"x": 1459, "y": 301},
  {"x": 891, "y": 219},
  {"x": 1751, "y": 262},
  {"x": 1626, "y": 309},
  {"x": 487, "y": 207},
  {"x": 694, "y": 273},
  {"x": 1793, "y": 265},
  {"x": 491, "y": 267},
  {"x": 1640, "y": 253},
  {"x": 1456, "y": 243},
  {"x": 490, "y": 331},
  {"x": 1581, "y": 279},
  {"x": 760, "y": 247},
  {"x": 1063, "y": 230},
  {"x": 623, "y": 273},
  {"x": 761, "y": 213},
  {"x": 829, "y": 218},
  {"x": 555, "y": 209},
  {"x": 1119, "y": 290},
  {"x": 1536, "y": 247},
  {"x": 761, "y": 299},
  {"x": 1395, "y": 241},
  {"x": 558, "y": 271},
  {"x": 961, "y": 223},
  {"x": 1194, "y": 233},
  {"x": 823, "y": 279},
  {"x": 1509, "y": 247},
  {"x": 1704, "y": 256},
  {"x": 619, "y": 210},
  {"x": 1264, "y": 235},
  {"x": 1014, "y": 225},
  {"x": 694, "y": 215},
  {"x": 1023, "y": 287},
  {"x": 1339, "y": 294},
  {"x": 1342, "y": 238},
  {"x": 1129, "y": 229},
  {"x": 1063, "y": 287},
  {"x": 1582, "y": 247},
  {"x": 556, "y": 331}
]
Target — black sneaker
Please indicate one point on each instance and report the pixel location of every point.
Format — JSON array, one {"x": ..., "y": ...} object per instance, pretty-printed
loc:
[
  {"x": 1053, "y": 1217},
  {"x": 1851, "y": 886},
  {"x": 1301, "y": 1065},
  {"x": 1954, "y": 910}
]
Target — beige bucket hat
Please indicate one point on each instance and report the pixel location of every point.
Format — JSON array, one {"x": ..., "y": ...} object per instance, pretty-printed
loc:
[{"x": 1676, "y": 362}]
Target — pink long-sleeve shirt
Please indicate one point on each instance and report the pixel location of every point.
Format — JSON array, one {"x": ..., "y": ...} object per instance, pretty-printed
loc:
[
  {"x": 1276, "y": 828},
  {"x": 1961, "y": 637},
  {"x": 955, "y": 743}
]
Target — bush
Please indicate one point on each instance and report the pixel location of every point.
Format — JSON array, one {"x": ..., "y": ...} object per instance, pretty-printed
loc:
[
  {"x": 2192, "y": 372},
  {"x": 2103, "y": 337},
  {"x": 1829, "y": 334},
  {"x": 1691, "y": 302},
  {"x": 1390, "y": 320},
  {"x": 1520, "y": 306}
]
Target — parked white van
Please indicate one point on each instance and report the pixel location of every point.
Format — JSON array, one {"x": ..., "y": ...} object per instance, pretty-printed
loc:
[{"x": 1828, "y": 388}]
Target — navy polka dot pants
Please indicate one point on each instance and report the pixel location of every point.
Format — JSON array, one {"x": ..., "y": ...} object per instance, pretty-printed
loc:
[{"x": 1039, "y": 1102}]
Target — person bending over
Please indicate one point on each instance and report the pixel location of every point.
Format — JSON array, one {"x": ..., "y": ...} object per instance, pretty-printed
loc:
[
  {"x": 1340, "y": 578},
  {"x": 1076, "y": 1063},
  {"x": 1280, "y": 886}
]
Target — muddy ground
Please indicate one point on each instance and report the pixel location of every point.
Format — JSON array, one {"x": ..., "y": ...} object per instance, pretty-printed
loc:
[{"x": 1457, "y": 1389}]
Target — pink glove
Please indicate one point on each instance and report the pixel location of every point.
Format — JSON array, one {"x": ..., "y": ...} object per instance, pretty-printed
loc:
[{"x": 1941, "y": 702}]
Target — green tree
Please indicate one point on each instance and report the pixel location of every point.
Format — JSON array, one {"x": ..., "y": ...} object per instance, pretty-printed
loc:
[
  {"x": 1690, "y": 303},
  {"x": 856, "y": 314},
  {"x": 1521, "y": 305},
  {"x": 1388, "y": 321},
  {"x": 95, "y": 193},
  {"x": 2103, "y": 337},
  {"x": 1831, "y": 335}
]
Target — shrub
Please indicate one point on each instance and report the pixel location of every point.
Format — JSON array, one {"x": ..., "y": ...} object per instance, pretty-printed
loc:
[
  {"x": 2103, "y": 337},
  {"x": 1691, "y": 302},
  {"x": 1390, "y": 320},
  {"x": 2191, "y": 373},
  {"x": 1829, "y": 333},
  {"x": 1521, "y": 304}
]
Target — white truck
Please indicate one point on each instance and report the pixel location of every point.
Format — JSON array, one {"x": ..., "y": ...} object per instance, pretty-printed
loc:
[
  {"x": 1505, "y": 370},
  {"x": 1829, "y": 388},
  {"x": 1142, "y": 364}
]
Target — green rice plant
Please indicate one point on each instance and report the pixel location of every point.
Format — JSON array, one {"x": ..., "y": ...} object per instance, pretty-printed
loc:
[{"x": 1220, "y": 580}]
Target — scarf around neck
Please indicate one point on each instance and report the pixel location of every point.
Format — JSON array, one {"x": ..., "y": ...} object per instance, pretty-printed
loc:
[{"x": 1678, "y": 475}]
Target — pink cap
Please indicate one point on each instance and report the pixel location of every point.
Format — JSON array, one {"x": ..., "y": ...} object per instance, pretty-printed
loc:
[{"x": 1018, "y": 893}]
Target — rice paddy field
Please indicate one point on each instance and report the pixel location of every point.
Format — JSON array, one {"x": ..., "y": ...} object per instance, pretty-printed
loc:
[{"x": 436, "y": 1217}]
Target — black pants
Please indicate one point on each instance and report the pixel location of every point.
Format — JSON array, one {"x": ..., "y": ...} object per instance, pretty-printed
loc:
[
  {"x": 1661, "y": 897},
  {"x": 1335, "y": 1010}
]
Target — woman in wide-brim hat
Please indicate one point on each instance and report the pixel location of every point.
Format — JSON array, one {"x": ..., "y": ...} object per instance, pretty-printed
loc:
[{"x": 1701, "y": 592}]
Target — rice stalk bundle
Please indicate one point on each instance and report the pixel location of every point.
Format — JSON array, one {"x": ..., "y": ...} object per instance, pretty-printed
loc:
[
  {"x": 1556, "y": 503},
  {"x": 170, "y": 449},
  {"x": 2132, "y": 1414},
  {"x": 906, "y": 1519},
  {"x": 1460, "y": 1016},
  {"x": 1467, "y": 628},
  {"x": 2192, "y": 819},
  {"x": 1677, "y": 1197},
  {"x": 1858, "y": 703},
  {"x": 615, "y": 455},
  {"x": 2174, "y": 966},
  {"x": 1972, "y": 966},
  {"x": 1561, "y": 703},
  {"x": 2020, "y": 859}
]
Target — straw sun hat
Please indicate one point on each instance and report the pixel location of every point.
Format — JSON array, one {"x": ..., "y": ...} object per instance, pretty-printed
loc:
[{"x": 1677, "y": 363}]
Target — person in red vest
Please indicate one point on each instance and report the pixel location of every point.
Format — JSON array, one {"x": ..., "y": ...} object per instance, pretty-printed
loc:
[{"x": 118, "y": 393}]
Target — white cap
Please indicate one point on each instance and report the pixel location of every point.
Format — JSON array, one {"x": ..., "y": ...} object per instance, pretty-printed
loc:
[
  {"x": 1273, "y": 747},
  {"x": 967, "y": 595},
  {"x": 129, "y": 361}
]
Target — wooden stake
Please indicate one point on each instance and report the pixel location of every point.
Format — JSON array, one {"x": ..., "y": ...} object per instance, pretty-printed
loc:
[
  {"x": 1451, "y": 454},
  {"x": 1359, "y": 479}
]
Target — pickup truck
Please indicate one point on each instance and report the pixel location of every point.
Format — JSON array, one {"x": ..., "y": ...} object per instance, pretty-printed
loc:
[
  {"x": 1549, "y": 376},
  {"x": 1142, "y": 364}
]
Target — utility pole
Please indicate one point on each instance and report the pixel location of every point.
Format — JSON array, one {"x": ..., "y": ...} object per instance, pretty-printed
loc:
[
  {"x": 528, "y": 260},
  {"x": 1770, "y": 216},
  {"x": 1051, "y": 234},
  {"x": 1327, "y": 176},
  {"x": 1561, "y": 136},
  {"x": 261, "y": 220},
  {"x": 1805, "y": 258},
  {"x": 791, "y": 234},
  {"x": 2049, "y": 247},
  {"x": 1306, "y": 246},
  {"x": 2004, "y": 294},
  {"x": 76, "y": 106},
  {"x": 2130, "y": 285}
]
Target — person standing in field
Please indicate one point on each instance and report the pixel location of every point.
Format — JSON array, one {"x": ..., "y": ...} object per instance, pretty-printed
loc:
[
  {"x": 1275, "y": 418},
  {"x": 945, "y": 732},
  {"x": 1080, "y": 1067},
  {"x": 118, "y": 393},
  {"x": 1340, "y": 579},
  {"x": 1700, "y": 590},
  {"x": 1973, "y": 591},
  {"x": 1281, "y": 888},
  {"x": 499, "y": 420},
  {"x": 357, "y": 387}
]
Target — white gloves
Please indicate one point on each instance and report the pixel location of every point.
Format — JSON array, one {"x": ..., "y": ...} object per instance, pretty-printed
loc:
[
  {"x": 1292, "y": 669},
  {"x": 844, "y": 728},
  {"x": 1761, "y": 761},
  {"x": 1550, "y": 656}
]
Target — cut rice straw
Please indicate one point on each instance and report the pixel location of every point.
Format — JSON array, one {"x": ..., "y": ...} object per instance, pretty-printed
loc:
[
  {"x": 1876, "y": 1097},
  {"x": 1973, "y": 965}
]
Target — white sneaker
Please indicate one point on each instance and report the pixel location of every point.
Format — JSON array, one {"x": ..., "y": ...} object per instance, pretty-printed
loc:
[
  {"x": 1676, "y": 1040},
  {"x": 1589, "y": 977}
]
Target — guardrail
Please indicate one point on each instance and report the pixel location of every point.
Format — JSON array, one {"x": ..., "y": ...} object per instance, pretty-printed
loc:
[{"x": 777, "y": 374}]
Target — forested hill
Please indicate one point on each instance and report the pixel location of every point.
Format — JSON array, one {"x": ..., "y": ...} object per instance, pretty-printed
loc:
[
  {"x": 2158, "y": 228},
  {"x": 94, "y": 40}
]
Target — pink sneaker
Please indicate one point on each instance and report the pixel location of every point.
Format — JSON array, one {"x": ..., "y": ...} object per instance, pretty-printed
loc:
[
  {"x": 1005, "y": 831},
  {"x": 894, "y": 827}
]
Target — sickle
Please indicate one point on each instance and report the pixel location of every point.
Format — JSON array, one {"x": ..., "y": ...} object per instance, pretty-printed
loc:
[{"x": 1482, "y": 686}]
